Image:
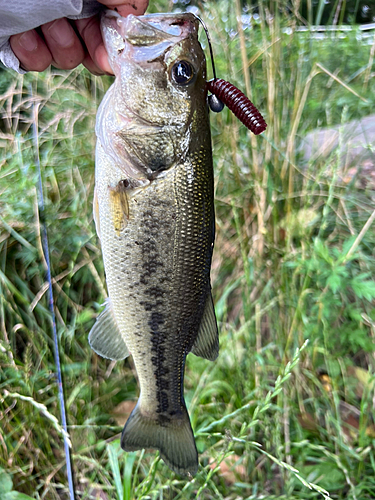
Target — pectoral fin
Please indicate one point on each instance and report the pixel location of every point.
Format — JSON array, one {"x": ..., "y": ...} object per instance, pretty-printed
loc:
[
  {"x": 119, "y": 206},
  {"x": 206, "y": 344},
  {"x": 105, "y": 337}
]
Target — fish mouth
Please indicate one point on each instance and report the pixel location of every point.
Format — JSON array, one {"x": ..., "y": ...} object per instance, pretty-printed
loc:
[{"x": 151, "y": 29}]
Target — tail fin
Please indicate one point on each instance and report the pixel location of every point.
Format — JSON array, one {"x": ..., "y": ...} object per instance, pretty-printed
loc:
[{"x": 174, "y": 439}]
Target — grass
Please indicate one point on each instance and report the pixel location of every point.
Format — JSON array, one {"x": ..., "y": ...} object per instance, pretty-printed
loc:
[{"x": 294, "y": 261}]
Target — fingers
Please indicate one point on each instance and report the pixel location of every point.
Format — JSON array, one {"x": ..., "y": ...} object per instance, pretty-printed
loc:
[
  {"x": 97, "y": 59},
  {"x": 89, "y": 29},
  {"x": 126, "y": 7},
  {"x": 60, "y": 47},
  {"x": 31, "y": 51},
  {"x": 63, "y": 43}
]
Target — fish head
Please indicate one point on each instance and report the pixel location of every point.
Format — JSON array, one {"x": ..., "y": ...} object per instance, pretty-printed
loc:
[
  {"x": 160, "y": 85},
  {"x": 159, "y": 63}
]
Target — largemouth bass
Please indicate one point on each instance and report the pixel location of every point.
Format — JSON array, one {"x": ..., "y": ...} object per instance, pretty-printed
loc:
[{"x": 154, "y": 213}]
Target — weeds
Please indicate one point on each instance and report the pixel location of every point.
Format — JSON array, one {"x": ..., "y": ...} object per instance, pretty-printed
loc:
[{"x": 294, "y": 261}]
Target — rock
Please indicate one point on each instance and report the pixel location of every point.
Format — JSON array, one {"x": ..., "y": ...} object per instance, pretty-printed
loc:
[{"x": 351, "y": 144}]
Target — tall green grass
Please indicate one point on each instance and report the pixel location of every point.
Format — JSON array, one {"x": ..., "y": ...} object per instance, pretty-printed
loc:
[{"x": 274, "y": 417}]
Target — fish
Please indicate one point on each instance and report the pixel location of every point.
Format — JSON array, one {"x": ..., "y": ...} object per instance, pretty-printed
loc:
[{"x": 154, "y": 215}]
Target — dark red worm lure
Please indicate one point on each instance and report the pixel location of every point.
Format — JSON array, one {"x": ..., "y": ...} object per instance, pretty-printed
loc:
[
  {"x": 223, "y": 92},
  {"x": 239, "y": 104}
]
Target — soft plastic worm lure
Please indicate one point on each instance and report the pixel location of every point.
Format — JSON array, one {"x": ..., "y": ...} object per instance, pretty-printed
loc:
[
  {"x": 238, "y": 103},
  {"x": 225, "y": 93}
]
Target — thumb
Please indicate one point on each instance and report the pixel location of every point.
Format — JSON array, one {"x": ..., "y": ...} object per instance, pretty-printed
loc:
[{"x": 124, "y": 8}]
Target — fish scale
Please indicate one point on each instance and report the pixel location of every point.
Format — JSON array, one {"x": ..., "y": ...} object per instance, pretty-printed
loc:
[{"x": 154, "y": 213}]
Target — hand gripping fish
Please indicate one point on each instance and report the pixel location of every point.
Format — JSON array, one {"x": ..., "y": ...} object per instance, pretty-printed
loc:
[{"x": 154, "y": 214}]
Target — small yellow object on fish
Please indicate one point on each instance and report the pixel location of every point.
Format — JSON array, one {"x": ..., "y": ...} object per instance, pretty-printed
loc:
[{"x": 154, "y": 214}]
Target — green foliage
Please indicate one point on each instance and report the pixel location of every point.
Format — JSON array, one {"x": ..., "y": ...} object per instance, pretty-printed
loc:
[
  {"x": 6, "y": 488},
  {"x": 338, "y": 298},
  {"x": 294, "y": 261}
]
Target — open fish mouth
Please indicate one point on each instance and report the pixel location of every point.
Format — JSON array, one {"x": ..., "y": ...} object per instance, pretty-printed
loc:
[
  {"x": 152, "y": 34},
  {"x": 152, "y": 28}
]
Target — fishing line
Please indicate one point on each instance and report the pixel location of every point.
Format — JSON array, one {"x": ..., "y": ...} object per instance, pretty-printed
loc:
[
  {"x": 209, "y": 44},
  {"x": 60, "y": 387}
]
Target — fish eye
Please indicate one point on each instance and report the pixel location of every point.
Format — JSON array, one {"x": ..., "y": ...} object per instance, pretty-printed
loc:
[{"x": 182, "y": 72}]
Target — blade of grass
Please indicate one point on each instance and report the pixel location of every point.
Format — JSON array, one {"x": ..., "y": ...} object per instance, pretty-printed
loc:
[
  {"x": 128, "y": 475},
  {"x": 347, "y": 87},
  {"x": 115, "y": 467}
]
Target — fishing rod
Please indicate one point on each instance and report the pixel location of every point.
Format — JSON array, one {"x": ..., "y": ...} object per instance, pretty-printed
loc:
[{"x": 59, "y": 379}]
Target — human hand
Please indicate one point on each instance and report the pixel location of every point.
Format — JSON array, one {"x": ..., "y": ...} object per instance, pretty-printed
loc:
[{"x": 57, "y": 42}]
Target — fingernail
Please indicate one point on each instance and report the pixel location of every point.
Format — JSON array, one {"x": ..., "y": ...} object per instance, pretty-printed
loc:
[
  {"x": 29, "y": 41},
  {"x": 62, "y": 33}
]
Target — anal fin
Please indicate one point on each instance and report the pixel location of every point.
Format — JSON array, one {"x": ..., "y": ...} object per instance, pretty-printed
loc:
[
  {"x": 105, "y": 337},
  {"x": 206, "y": 344}
]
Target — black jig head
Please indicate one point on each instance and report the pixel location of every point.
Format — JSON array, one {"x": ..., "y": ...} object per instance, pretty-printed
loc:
[
  {"x": 225, "y": 93},
  {"x": 214, "y": 102}
]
